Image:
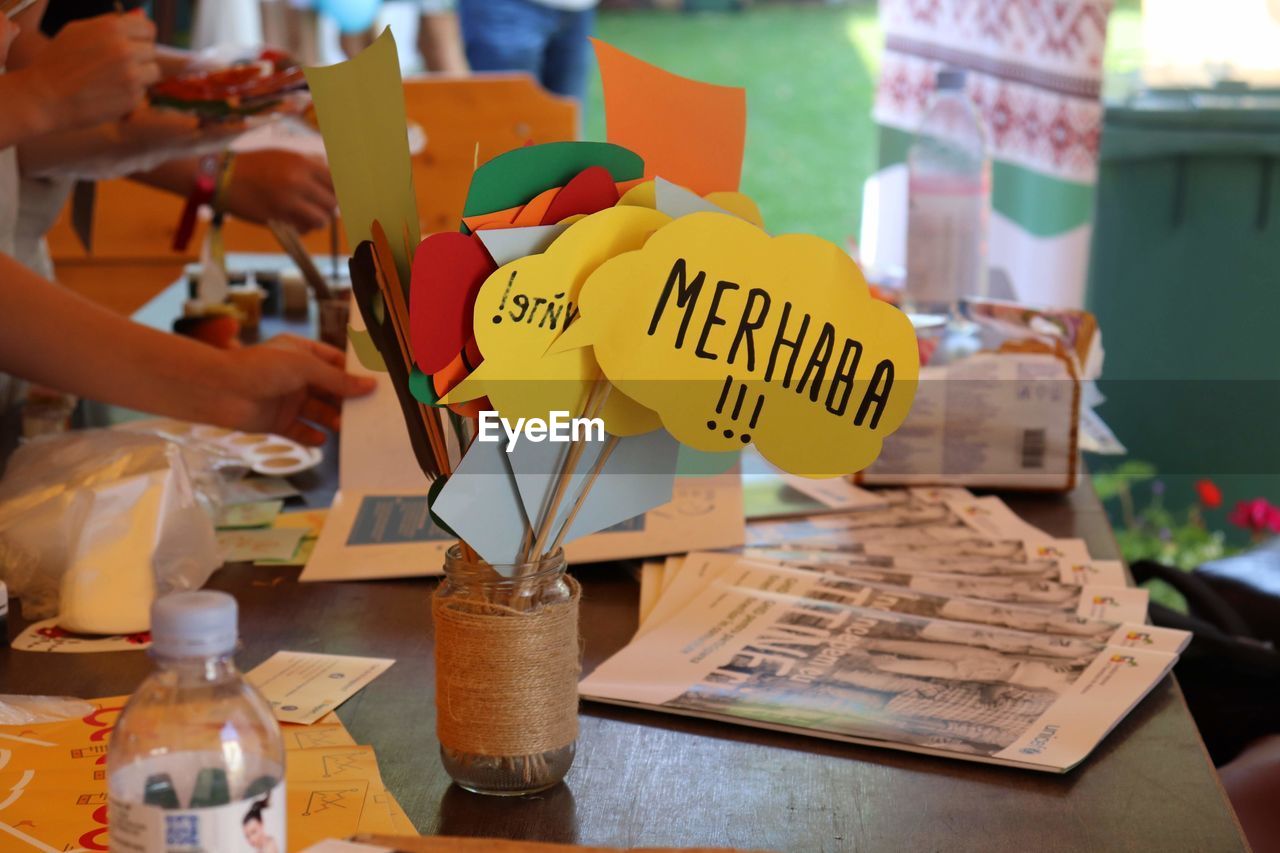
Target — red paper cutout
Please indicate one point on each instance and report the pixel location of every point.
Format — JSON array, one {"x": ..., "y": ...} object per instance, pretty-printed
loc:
[
  {"x": 448, "y": 269},
  {"x": 591, "y": 191}
]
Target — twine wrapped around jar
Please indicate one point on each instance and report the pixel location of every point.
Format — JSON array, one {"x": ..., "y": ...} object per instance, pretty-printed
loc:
[{"x": 506, "y": 679}]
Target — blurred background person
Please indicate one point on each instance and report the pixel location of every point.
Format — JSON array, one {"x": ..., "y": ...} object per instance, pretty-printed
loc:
[
  {"x": 318, "y": 32},
  {"x": 440, "y": 38},
  {"x": 162, "y": 148},
  {"x": 546, "y": 38}
]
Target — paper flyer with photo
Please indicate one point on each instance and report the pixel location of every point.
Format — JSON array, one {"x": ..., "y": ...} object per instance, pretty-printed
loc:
[
  {"x": 900, "y": 599},
  {"x": 938, "y": 531},
  {"x": 381, "y": 526},
  {"x": 801, "y": 652},
  {"x": 1108, "y": 603}
]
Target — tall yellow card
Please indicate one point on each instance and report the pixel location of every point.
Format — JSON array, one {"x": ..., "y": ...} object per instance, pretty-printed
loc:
[{"x": 360, "y": 108}]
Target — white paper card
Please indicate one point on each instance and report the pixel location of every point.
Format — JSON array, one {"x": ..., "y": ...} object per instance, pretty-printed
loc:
[
  {"x": 303, "y": 687},
  {"x": 834, "y": 492}
]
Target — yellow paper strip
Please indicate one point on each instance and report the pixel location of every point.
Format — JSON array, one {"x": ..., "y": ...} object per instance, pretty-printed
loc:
[{"x": 361, "y": 112}]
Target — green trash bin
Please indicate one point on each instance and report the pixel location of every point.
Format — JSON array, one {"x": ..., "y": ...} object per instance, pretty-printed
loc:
[{"x": 1185, "y": 282}]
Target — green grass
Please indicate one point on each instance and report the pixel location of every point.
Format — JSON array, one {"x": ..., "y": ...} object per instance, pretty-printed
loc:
[
  {"x": 810, "y": 138},
  {"x": 810, "y": 73}
]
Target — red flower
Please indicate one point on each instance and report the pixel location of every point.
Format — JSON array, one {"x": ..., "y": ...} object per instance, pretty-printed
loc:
[
  {"x": 1256, "y": 516},
  {"x": 1210, "y": 494}
]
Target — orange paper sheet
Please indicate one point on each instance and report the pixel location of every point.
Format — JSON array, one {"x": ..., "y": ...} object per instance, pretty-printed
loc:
[
  {"x": 53, "y": 784},
  {"x": 690, "y": 133}
]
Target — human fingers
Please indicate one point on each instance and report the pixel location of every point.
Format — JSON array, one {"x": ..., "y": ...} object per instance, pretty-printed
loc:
[
  {"x": 336, "y": 381},
  {"x": 135, "y": 26},
  {"x": 320, "y": 349},
  {"x": 223, "y": 129},
  {"x": 305, "y": 215},
  {"x": 321, "y": 413},
  {"x": 153, "y": 127},
  {"x": 320, "y": 183},
  {"x": 304, "y": 433},
  {"x": 145, "y": 70},
  {"x": 326, "y": 352}
]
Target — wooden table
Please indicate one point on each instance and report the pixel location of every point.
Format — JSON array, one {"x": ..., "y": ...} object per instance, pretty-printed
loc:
[{"x": 645, "y": 778}]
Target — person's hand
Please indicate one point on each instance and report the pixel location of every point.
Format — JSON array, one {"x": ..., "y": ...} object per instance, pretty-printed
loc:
[
  {"x": 96, "y": 70},
  {"x": 145, "y": 140},
  {"x": 291, "y": 386},
  {"x": 281, "y": 185},
  {"x": 150, "y": 137},
  {"x": 170, "y": 134}
]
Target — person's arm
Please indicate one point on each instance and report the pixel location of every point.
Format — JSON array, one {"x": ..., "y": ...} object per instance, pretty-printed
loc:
[
  {"x": 440, "y": 42},
  {"x": 93, "y": 71},
  {"x": 263, "y": 185},
  {"x": 173, "y": 60},
  {"x": 52, "y": 336},
  {"x": 147, "y": 137}
]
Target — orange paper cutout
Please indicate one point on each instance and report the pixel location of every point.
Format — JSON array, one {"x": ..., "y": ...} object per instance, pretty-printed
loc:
[
  {"x": 533, "y": 212},
  {"x": 690, "y": 133},
  {"x": 497, "y": 219},
  {"x": 445, "y": 379}
]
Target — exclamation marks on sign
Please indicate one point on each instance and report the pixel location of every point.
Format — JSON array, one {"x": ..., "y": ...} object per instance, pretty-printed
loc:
[
  {"x": 497, "y": 318},
  {"x": 739, "y": 399}
]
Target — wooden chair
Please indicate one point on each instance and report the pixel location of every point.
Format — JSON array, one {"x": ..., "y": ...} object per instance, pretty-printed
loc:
[{"x": 133, "y": 224}]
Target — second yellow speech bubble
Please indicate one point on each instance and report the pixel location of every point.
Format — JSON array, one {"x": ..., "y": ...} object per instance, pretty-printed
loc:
[{"x": 524, "y": 306}]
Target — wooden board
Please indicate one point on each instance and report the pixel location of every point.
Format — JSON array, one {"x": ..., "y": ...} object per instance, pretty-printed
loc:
[
  {"x": 453, "y": 844},
  {"x": 643, "y": 778}
]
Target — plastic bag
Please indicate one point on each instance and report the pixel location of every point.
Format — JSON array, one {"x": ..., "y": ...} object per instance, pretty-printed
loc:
[
  {"x": 29, "y": 710},
  {"x": 95, "y": 524}
]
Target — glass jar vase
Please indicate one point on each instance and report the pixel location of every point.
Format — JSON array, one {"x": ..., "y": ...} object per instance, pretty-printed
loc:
[{"x": 507, "y": 667}]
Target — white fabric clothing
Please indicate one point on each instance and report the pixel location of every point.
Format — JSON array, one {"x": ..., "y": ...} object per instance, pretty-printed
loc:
[{"x": 40, "y": 200}]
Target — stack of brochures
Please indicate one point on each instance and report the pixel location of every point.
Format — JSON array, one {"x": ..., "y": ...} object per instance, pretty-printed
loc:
[{"x": 935, "y": 622}]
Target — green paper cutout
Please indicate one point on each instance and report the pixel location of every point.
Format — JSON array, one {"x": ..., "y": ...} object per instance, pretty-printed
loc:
[
  {"x": 423, "y": 390},
  {"x": 436, "y": 485},
  {"x": 514, "y": 178},
  {"x": 365, "y": 349}
]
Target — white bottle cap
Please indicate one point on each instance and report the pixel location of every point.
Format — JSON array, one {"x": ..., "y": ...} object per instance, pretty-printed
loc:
[
  {"x": 950, "y": 80},
  {"x": 193, "y": 624}
]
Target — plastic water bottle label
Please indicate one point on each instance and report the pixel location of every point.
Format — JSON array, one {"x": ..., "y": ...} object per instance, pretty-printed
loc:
[
  {"x": 252, "y": 825},
  {"x": 946, "y": 235}
]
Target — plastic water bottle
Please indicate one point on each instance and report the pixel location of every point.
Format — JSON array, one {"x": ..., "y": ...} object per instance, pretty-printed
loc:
[
  {"x": 196, "y": 762},
  {"x": 949, "y": 203}
]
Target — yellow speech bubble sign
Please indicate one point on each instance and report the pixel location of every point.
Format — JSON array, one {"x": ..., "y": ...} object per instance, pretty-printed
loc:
[
  {"x": 734, "y": 337},
  {"x": 524, "y": 306}
]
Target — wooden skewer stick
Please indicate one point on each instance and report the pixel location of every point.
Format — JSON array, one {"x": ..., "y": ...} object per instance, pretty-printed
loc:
[
  {"x": 333, "y": 247},
  {"x": 595, "y": 402},
  {"x": 12, "y": 8},
  {"x": 562, "y": 484},
  {"x": 398, "y": 311},
  {"x": 287, "y": 236},
  {"x": 609, "y": 445},
  {"x": 393, "y": 299}
]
